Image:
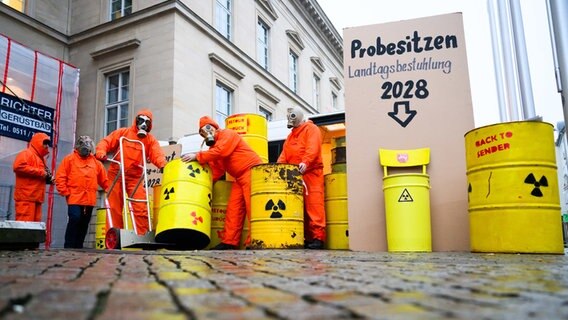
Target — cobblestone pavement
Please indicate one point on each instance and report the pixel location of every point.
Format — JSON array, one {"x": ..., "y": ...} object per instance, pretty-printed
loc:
[{"x": 280, "y": 284}]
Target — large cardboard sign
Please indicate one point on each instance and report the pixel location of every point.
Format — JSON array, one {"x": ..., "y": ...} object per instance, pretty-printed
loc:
[
  {"x": 407, "y": 87},
  {"x": 154, "y": 174}
]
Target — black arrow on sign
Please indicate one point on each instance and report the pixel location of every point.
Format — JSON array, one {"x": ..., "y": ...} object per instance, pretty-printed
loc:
[{"x": 407, "y": 112}]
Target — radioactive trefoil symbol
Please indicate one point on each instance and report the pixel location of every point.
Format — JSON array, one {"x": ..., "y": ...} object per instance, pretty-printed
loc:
[
  {"x": 196, "y": 218},
  {"x": 167, "y": 193},
  {"x": 193, "y": 171},
  {"x": 270, "y": 205},
  {"x": 543, "y": 182}
]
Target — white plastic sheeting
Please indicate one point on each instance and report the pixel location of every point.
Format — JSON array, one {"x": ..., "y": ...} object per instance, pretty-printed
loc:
[{"x": 38, "y": 78}]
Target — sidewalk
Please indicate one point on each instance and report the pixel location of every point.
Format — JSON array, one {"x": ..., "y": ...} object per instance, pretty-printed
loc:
[{"x": 280, "y": 284}]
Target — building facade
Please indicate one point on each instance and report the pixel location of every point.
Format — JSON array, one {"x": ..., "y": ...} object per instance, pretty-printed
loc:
[{"x": 183, "y": 59}]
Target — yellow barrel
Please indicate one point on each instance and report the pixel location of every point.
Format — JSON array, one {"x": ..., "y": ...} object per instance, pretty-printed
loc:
[
  {"x": 514, "y": 203},
  {"x": 407, "y": 200},
  {"x": 254, "y": 130},
  {"x": 277, "y": 207},
  {"x": 339, "y": 168},
  {"x": 185, "y": 205},
  {"x": 336, "y": 211},
  {"x": 157, "y": 189},
  {"x": 339, "y": 155},
  {"x": 339, "y": 142},
  {"x": 100, "y": 229},
  {"x": 221, "y": 193}
]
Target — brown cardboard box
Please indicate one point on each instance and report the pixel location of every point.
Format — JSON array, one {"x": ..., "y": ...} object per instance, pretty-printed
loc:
[{"x": 154, "y": 174}]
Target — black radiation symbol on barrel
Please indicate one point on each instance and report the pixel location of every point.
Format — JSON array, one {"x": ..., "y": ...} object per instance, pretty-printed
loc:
[
  {"x": 194, "y": 171},
  {"x": 270, "y": 205},
  {"x": 543, "y": 182},
  {"x": 210, "y": 199},
  {"x": 167, "y": 193}
]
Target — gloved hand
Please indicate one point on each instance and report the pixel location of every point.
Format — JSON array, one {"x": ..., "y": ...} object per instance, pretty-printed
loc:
[
  {"x": 48, "y": 177},
  {"x": 101, "y": 156},
  {"x": 189, "y": 157},
  {"x": 302, "y": 166}
]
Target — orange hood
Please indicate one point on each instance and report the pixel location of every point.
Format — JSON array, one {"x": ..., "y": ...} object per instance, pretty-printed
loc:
[
  {"x": 37, "y": 143},
  {"x": 205, "y": 120},
  {"x": 147, "y": 113}
]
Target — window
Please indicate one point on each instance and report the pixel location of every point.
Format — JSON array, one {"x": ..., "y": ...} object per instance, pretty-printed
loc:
[
  {"x": 223, "y": 17},
  {"x": 15, "y": 4},
  {"x": 293, "y": 61},
  {"x": 120, "y": 8},
  {"x": 262, "y": 43},
  {"x": 334, "y": 101},
  {"x": 223, "y": 103},
  {"x": 316, "y": 92},
  {"x": 266, "y": 102},
  {"x": 267, "y": 114},
  {"x": 116, "y": 106}
]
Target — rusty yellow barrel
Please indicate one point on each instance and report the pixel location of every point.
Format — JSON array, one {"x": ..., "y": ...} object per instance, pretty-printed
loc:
[
  {"x": 336, "y": 211},
  {"x": 277, "y": 207},
  {"x": 100, "y": 229},
  {"x": 221, "y": 193},
  {"x": 254, "y": 130},
  {"x": 185, "y": 205},
  {"x": 514, "y": 203}
]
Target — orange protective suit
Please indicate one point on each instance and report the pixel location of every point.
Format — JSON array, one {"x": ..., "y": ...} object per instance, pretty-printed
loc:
[
  {"x": 231, "y": 153},
  {"x": 303, "y": 144},
  {"x": 77, "y": 178},
  {"x": 133, "y": 168},
  {"x": 30, "y": 169}
]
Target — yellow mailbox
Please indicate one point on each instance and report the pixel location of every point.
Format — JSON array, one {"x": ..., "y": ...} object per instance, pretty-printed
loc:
[{"x": 407, "y": 199}]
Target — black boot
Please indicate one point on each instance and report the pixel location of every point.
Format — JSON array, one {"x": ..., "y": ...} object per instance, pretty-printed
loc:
[
  {"x": 224, "y": 246},
  {"x": 315, "y": 244}
]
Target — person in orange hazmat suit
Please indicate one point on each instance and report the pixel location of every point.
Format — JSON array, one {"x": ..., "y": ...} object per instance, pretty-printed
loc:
[
  {"x": 76, "y": 179},
  {"x": 32, "y": 174},
  {"x": 303, "y": 147},
  {"x": 228, "y": 152},
  {"x": 133, "y": 167}
]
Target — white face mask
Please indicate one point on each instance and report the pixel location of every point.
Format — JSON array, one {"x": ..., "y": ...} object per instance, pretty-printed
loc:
[
  {"x": 295, "y": 117},
  {"x": 143, "y": 124},
  {"x": 208, "y": 134}
]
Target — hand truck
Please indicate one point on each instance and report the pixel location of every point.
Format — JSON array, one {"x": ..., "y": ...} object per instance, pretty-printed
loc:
[{"x": 128, "y": 237}]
